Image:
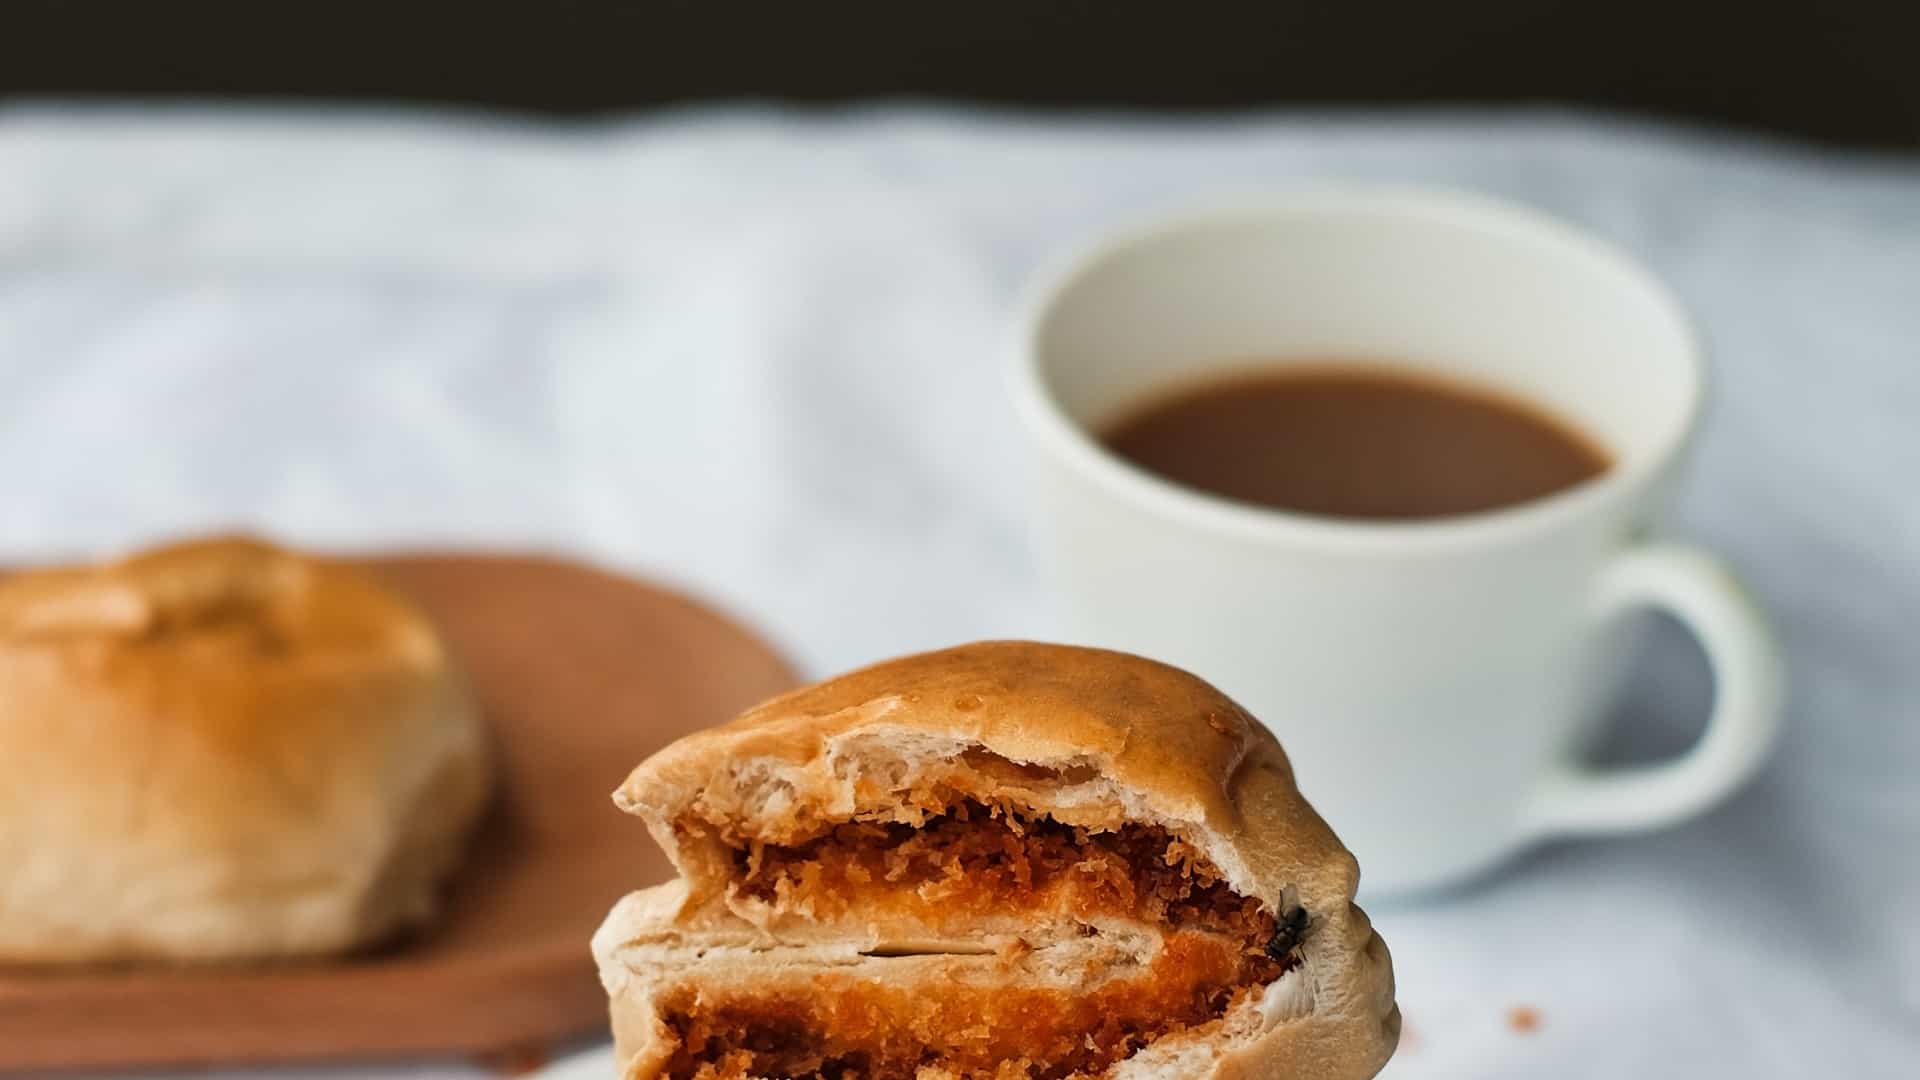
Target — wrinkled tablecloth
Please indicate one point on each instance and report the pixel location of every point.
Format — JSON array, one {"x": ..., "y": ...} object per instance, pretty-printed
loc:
[{"x": 758, "y": 354}]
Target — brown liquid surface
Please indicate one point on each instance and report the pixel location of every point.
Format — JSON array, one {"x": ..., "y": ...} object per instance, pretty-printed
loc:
[{"x": 1356, "y": 442}]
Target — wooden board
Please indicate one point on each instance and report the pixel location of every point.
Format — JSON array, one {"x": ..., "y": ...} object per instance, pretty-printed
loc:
[{"x": 581, "y": 675}]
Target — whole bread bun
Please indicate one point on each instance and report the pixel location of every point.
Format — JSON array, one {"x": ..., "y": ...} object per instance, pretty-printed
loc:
[
  {"x": 223, "y": 750},
  {"x": 1003, "y": 860}
]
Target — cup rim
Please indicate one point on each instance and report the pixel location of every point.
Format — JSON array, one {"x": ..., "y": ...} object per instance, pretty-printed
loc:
[{"x": 1068, "y": 440}]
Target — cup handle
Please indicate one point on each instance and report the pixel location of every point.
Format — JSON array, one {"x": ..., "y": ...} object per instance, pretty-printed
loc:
[{"x": 1748, "y": 687}]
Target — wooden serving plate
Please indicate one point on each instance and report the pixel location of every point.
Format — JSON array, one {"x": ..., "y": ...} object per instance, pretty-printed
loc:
[{"x": 581, "y": 675}]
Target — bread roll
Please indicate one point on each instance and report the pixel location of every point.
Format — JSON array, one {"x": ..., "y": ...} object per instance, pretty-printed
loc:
[
  {"x": 223, "y": 750},
  {"x": 1004, "y": 860}
]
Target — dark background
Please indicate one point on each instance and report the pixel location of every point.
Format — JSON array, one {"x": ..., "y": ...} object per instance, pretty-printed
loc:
[{"x": 1842, "y": 71}]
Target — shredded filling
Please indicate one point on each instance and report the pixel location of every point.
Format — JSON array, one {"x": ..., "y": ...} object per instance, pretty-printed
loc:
[{"x": 1220, "y": 946}]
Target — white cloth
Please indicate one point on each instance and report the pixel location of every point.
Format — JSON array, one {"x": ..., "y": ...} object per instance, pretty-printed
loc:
[{"x": 758, "y": 354}]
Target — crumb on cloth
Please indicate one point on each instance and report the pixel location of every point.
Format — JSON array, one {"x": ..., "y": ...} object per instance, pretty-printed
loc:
[{"x": 1524, "y": 1019}]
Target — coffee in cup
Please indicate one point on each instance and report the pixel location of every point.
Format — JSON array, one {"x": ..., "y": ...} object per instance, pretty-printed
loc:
[{"x": 1417, "y": 572}]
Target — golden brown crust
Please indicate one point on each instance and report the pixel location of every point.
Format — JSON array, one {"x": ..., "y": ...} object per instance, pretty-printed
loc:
[
  {"x": 1151, "y": 727},
  {"x": 1086, "y": 736},
  {"x": 222, "y": 749}
]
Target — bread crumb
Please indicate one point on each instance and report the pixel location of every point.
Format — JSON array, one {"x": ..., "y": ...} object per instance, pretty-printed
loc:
[{"x": 1524, "y": 1019}]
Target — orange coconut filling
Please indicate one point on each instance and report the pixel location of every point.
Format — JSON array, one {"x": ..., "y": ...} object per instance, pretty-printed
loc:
[{"x": 1218, "y": 946}]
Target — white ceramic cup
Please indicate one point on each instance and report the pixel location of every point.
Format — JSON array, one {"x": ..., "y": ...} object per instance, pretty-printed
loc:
[{"x": 1432, "y": 680}]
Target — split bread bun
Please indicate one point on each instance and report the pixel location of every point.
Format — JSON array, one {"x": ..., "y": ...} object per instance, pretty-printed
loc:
[
  {"x": 223, "y": 750},
  {"x": 1005, "y": 860}
]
